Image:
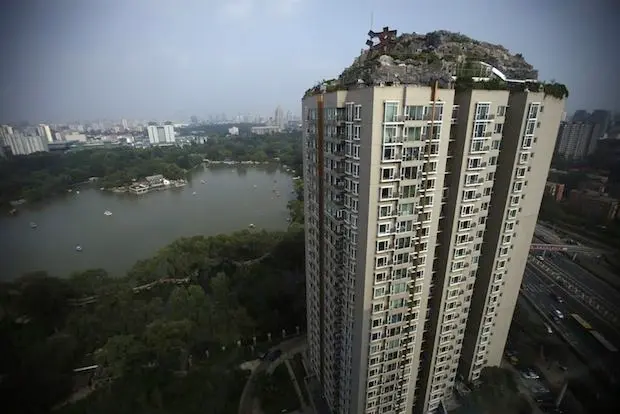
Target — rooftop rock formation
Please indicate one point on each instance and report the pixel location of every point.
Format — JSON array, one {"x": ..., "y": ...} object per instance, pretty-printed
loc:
[{"x": 423, "y": 58}]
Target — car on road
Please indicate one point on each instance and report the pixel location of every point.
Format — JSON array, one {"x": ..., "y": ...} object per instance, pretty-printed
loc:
[
  {"x": 272, "y": 356},
  {"x": 556, "y": 297},
  {"x": 549, "y": 330},
  {"x": 558, "y": 313},
  {"x": 529, "y": 373}
]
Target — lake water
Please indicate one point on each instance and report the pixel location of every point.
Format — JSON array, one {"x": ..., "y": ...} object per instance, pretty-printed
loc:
[{"x": 139, "y": 225}]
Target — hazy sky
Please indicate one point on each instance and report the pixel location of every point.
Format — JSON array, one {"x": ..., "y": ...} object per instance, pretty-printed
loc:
[{"x": 68, "y": 60}]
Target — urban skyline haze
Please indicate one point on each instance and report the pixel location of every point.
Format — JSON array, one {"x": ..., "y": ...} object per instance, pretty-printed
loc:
[{"x": 71, "y": 60}]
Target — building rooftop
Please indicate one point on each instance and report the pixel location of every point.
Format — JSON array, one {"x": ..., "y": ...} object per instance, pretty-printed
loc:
[{"x": 440, "y": 56}]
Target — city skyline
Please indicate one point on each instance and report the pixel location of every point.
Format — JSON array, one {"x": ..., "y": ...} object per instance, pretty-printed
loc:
[{"x": 89, "y": 69}]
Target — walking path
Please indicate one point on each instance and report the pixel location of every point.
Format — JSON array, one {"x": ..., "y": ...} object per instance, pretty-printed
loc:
[{"x": 288, "y": 348}]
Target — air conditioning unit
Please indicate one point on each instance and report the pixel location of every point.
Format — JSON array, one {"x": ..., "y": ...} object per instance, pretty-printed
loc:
[
  {"x": 486, "y": 148},
  {"x": 484, "y": 164}
]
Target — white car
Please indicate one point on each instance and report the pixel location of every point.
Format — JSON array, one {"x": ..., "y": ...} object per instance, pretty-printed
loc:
[{"x": 559, "y": 314}]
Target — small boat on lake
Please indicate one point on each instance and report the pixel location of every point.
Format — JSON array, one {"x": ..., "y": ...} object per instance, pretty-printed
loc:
[
  {"x": 107, "y": 213},
  {"x": 33, "y": 225},
  {"x": 194, "y": 193},
  {"x": 78, "y": 248}
]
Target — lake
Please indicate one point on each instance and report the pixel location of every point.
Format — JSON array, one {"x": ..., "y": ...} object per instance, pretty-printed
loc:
[{"x": 231, "y": 199}]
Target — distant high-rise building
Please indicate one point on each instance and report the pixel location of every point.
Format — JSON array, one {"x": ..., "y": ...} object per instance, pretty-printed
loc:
[
  {"x": 278, "y": 119},
  {"x": 5, "y": 132},
  {"x": 26, "y": 144},
  {"x": 44, "y": 131},
  {"x": 600, "y": 120},
  {"x": 124, "y": 124},
  {"x": 579, "y": 138},
  {"x": 161, "y": 134},
  {"x": 418, "y": 230}
]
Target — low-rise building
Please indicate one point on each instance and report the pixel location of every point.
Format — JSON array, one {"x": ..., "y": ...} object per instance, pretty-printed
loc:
[
  {"x": 593, "y": 204},
  {"x": 555, "y": 190},
  {"x": 266, "y": 129}
]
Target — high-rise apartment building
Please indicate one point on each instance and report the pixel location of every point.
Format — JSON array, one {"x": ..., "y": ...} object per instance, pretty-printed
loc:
[
  {"x": 420, "y": 206},
  {"x": 161, "y": 134},
  {"x": 579, "y": 138},
  {"x": 45, "y": 132},
  {"x": 26, "y": 144}
]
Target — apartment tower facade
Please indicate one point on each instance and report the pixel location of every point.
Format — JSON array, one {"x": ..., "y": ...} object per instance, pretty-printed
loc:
[{"x": 420, "y": 205}]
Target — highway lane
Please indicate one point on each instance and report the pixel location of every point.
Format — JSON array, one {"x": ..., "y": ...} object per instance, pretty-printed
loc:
[
  {"x": 595, "y": 295},
  {"x": 537, "y": 288}
]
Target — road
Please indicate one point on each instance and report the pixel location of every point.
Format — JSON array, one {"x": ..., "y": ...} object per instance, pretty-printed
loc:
[
  {"x": 593, "y": 293},
  {"x": 537, "y": 286},
  {"x": 288, "y": 348}
]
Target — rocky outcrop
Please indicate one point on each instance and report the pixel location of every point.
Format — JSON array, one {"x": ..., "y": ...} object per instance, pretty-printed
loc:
[{"x": 422, "y": 58}]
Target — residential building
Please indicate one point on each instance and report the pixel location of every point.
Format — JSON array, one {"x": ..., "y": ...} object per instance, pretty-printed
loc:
[
  {"x": 593, "y": 204},
  {"x": 555, "y": 190},
  {"x": 5, "y": 132},
  {"x": 26, "y": 144},
  {"x": 573, "y": 140},
  {"x": 278, "y": 119},
  {"x": 45, "y": 132},
  {"x": 580, "y": 137},
  {"x": 265, "y": 130},
  {"x": 403, "y": 186},
  {"x": 74, "y": 137},
  {"x": 161, "y": 134}
]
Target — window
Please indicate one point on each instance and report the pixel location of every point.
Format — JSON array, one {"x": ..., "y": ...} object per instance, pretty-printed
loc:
[
  {"x": 406, "y": 209},
  {"x": 414, "y": 113},
  {"x": 512, "y": 213},
  {"x": 384, "y": 229},
  {"x": 509, "y": 226},
  {"x": 499, "y": 128},
  {"x": 467, "y": 210},
  {"x": 530, "y": 127},
  {"x": 464, "y": 224},
  {"x": 357, "y": 113},
  {"x": 533, "y": 111},
  {"x": 382, "y": 261},
  {"x": 527, "y": 142},
  {"x": 388, "y": 173},
  {"x": 514, "y": 200},
  {"x": 524, "y": 157},
  {"x": 390, "y": 112},
  {"x": 385, "y": 211},
  {"x": 507, "y": 239},
  {"x": 520, "y": 172},
  {"x": 356, "y": 132},
  {"x": 474, "y": 162},
  {"x": 471, "y": 179},
  {"x": 501, "y": 110},
  {"x": 495, "y": 144},
  {"x": 462, "y": 239},
  {"x": 483, "y": 110},
  {"x": 380, "y": 277},
  {"x": 501, "y": 264},
  {"x": 477, "y": 145},
  {"x": 517, "y": 187},
  {"x": 389, "y": 134},
  {"x": 412, "y": 134},
  {"x": 383, "y": 245},
  {"x": 460, "y": 252},
  {"x": 408, "y": 173},
  {"x": 407, "y": 191},
  {"x": 386, "y": 193},
  {"x": 389, "y": 153},
  {"x": 479, "y": 130},
  {"x": 469, "y": 195},
  {"x": 379, "y": 292}
]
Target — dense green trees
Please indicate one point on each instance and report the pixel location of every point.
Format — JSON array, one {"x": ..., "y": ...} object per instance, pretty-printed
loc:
[{"x": 150, "y": 344}]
